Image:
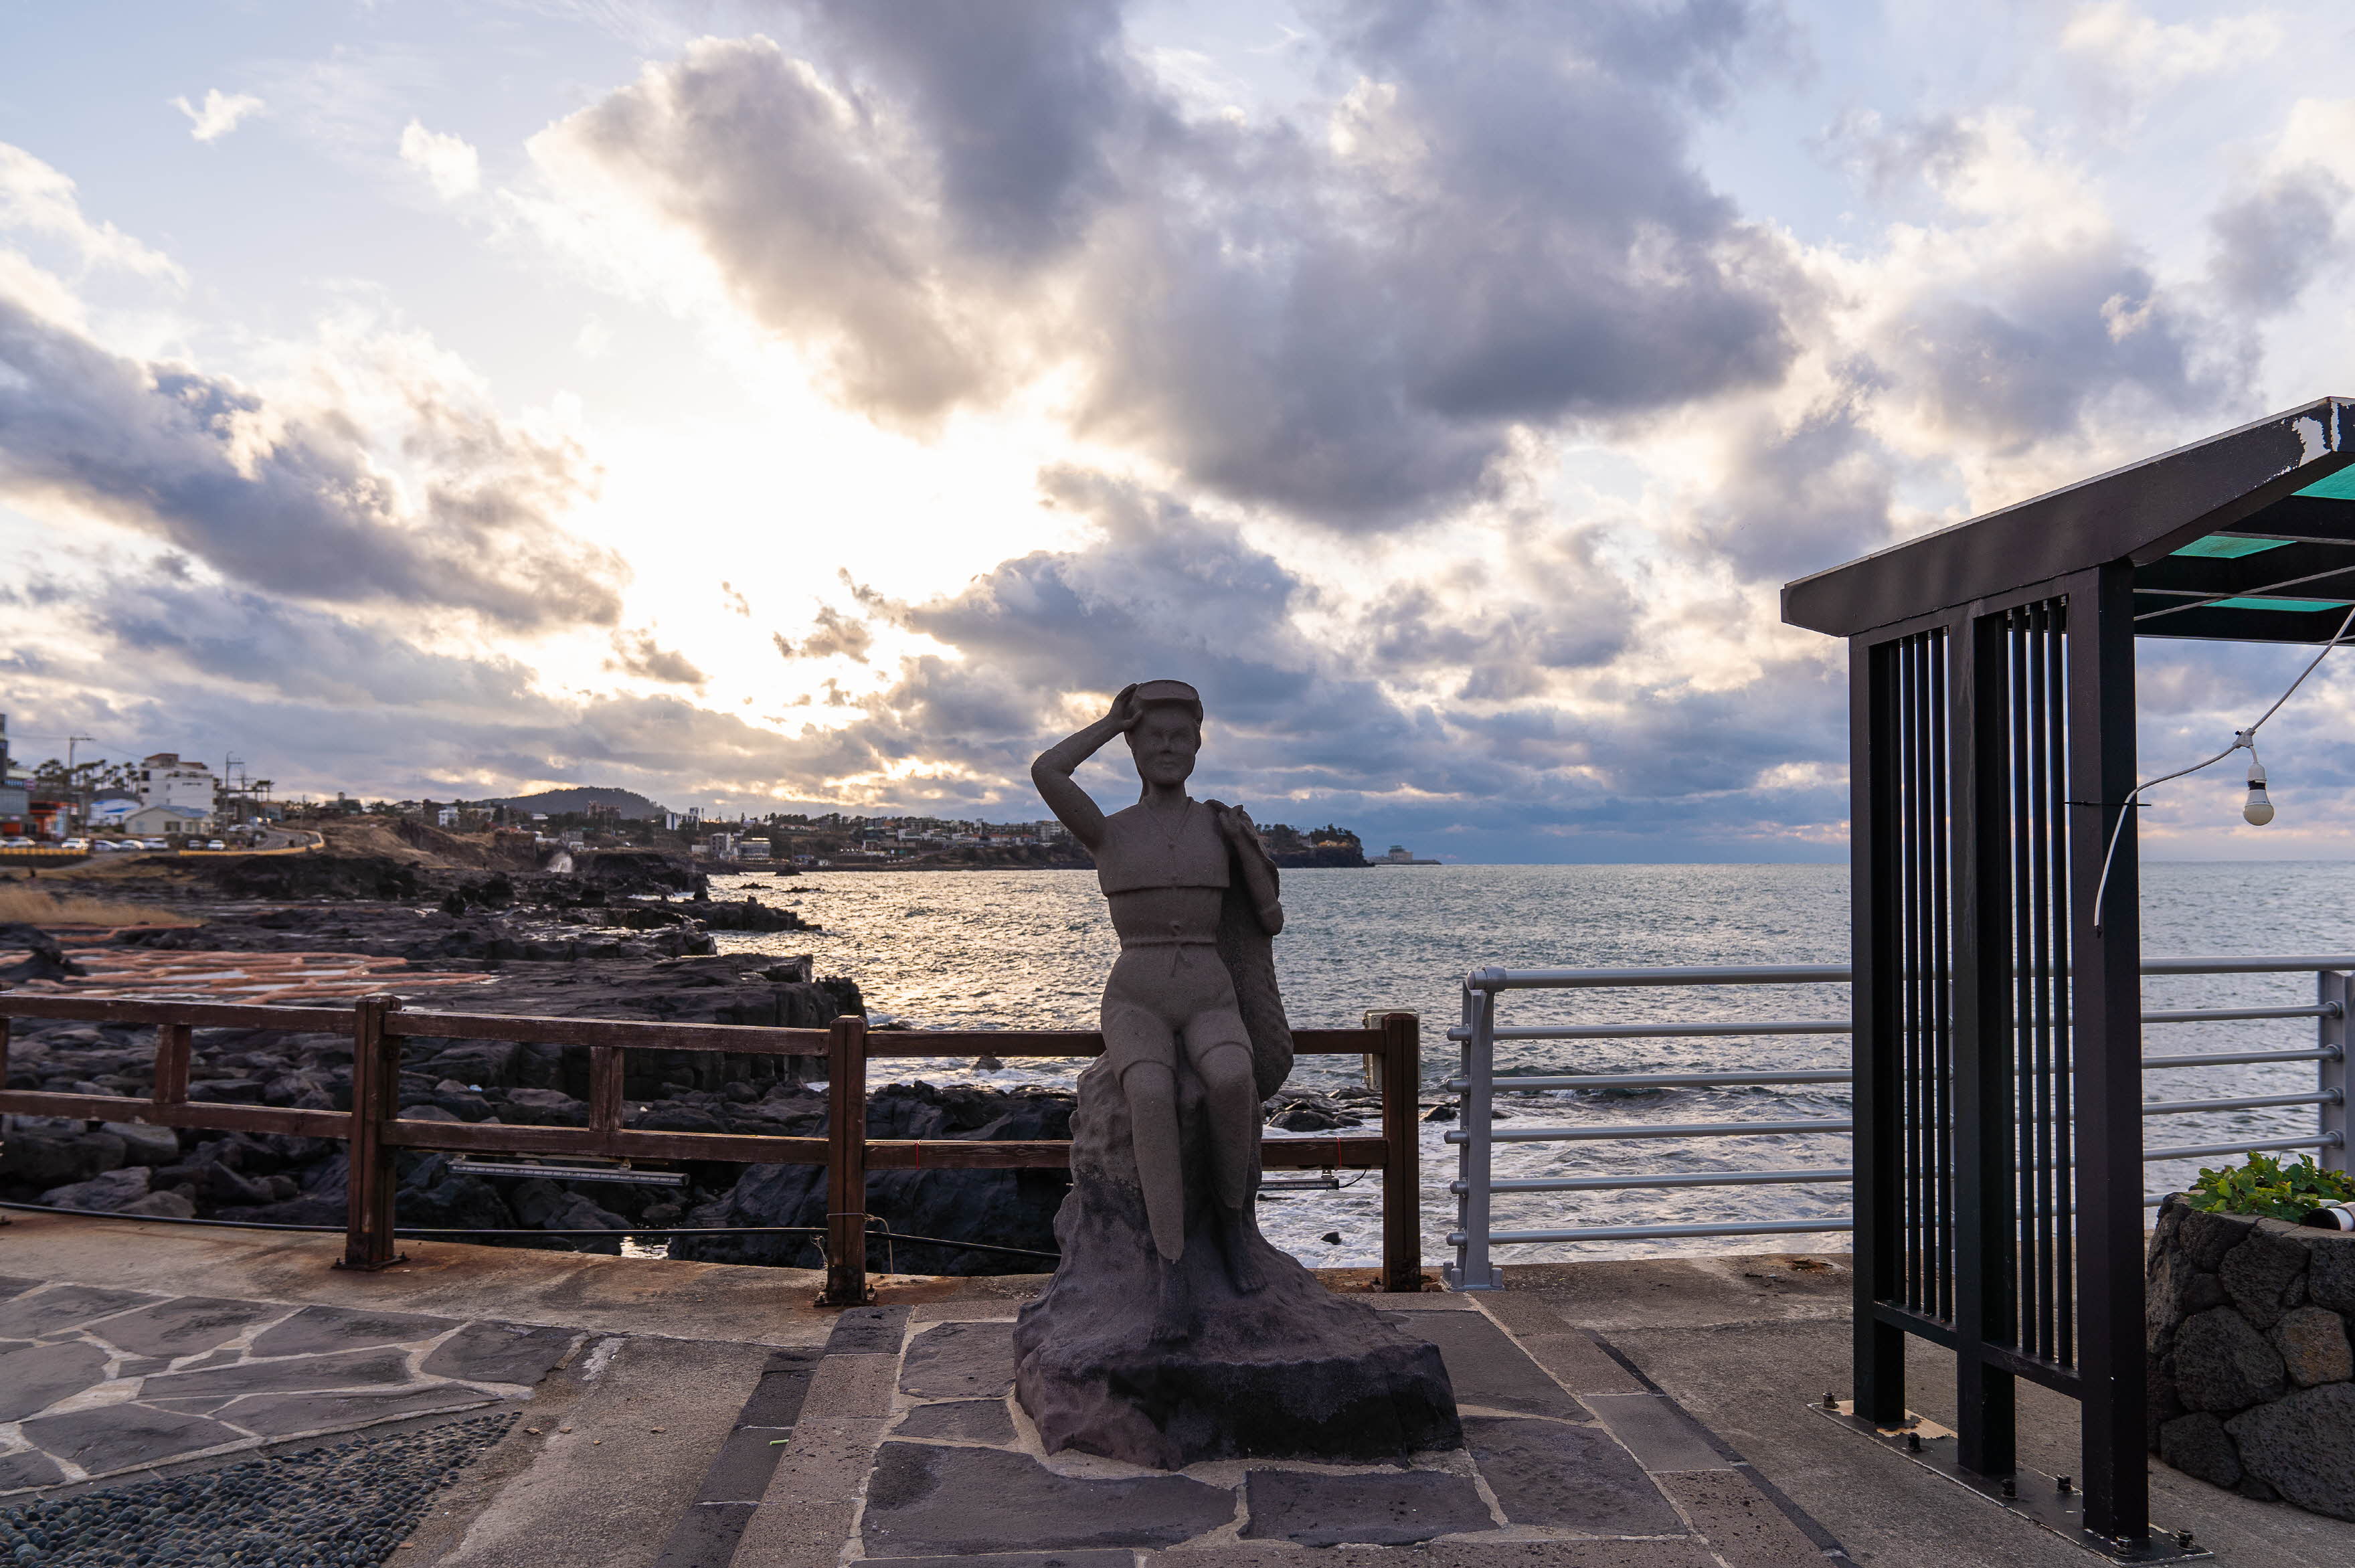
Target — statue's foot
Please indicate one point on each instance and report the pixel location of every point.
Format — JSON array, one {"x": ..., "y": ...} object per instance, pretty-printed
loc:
[
  {"x": 1172, "y": 1318},
  {"x": 1242, "y": 1260}
]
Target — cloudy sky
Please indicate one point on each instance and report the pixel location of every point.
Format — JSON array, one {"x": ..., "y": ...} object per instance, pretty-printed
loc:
[{"x": 771, "y": 406}]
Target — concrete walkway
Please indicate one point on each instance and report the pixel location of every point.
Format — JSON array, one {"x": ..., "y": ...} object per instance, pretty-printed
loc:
[{"x": 703, "y": 1415}]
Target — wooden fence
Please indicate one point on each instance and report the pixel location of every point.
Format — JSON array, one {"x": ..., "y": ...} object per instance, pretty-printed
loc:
[{"x": 376, "y": 1130}]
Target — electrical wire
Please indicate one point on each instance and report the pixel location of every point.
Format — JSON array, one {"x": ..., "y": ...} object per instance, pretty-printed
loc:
[{"x": 2242, "y": 739}]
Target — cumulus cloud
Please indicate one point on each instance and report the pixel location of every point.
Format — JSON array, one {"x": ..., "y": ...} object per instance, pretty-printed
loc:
[
  {"x": 2116, "y": 36},
  {"x": 637, "y": 653},
  {"x": 449, "y": 164},
  {"x": 295, "y": 500},
  {"x": 218, "y": 115},
  {"x": 37, "y": 199},
  {"x": 832, "y": 635},
  {"x": 1498, "y": 225}
]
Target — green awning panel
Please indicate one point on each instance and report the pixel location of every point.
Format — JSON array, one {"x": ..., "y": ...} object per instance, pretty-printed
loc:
[
  {"x": 2253, "y": 603},
  {"x": 2340, "y": 486},
  {"x": 2226, "y": 546}
]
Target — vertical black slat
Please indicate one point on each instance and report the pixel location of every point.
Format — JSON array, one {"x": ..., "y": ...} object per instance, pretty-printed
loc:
[
  {"x": 2063, "y": 1134},
  {"x": 1937, "y": 962},
  {"x": 1909, "y": 1013},
  {"x": 2027, "y": 866},
  {"x": 1879, "y": 1352},
  {"x": 2035, "y": 1116},
  {"x": 2053, "y": 830},
  {"x": 2020, "y": 838},
  {"x": 1977, "y": 658},
  {"x": 1918, "y": 971},
  {"x": 2037, "y": 930},
  {"x": 2105, "y": 1051}
]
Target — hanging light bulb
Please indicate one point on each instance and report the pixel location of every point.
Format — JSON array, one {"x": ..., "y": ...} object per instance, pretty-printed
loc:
[{"x": 2259, "y": 810}]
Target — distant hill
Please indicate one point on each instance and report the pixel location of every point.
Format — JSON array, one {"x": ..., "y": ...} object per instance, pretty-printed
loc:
[{"x": 631, "y": 805}]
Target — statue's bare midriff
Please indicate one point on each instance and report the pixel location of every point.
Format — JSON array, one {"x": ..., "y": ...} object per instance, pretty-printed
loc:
[{"x": 1157, "y": 917}]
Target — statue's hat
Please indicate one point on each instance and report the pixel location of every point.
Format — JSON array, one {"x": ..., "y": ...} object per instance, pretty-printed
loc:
[{"x": 1178, "y": 691}]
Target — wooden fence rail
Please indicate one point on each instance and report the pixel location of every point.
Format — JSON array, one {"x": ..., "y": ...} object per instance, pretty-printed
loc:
[{"x": 376, "y": 1130}]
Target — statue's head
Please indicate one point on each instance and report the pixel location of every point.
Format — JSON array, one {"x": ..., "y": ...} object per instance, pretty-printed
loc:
[{"x": 1167, "y": 737}]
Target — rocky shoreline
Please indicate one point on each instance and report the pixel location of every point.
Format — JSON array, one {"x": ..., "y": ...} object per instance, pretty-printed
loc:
[{"x": 621, "y": 936}]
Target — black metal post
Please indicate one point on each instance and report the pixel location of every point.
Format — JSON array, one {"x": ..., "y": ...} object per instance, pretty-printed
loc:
[
  {"x": 1880, "y": 1351},
  {"x": 2106, "y": 1047},
  {"x": 1982, "y": 759}
]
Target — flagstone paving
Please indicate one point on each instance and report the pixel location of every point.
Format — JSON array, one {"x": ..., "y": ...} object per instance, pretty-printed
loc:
[
  {"x": 910, "y": 1452},
  {"x": 98, "y": 1382}
]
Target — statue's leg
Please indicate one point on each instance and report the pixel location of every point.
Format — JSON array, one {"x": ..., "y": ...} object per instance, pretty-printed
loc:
[
  {"x": 1216, "y": 1046},
  {"x": 1151, "y": 1089}
]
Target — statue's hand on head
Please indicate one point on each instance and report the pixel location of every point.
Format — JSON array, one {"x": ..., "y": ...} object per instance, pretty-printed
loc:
[{"x": 1125, "y": 712}]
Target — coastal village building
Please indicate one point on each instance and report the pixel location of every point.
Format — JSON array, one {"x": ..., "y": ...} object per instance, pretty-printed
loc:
[
  {"x": 167, "y": 779},
  {"x": 168, "y": 821}
]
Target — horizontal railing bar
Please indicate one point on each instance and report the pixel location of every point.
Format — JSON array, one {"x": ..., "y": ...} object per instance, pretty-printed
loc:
[
  {"x": 1617, "y": 1132},
  {"x": 640, "y": 1034},
  {"x": 2245, "y": 1103},
  {"x": 198, "y": 1015},
  {"x": 2229, "y": 1015},
  {"x": 2259, "y": 1145},
  {"x": 1832, "y": 1026},
  {"x": 1693, "y": 1178},
  {"x": 1837, "y": 1075},
  {"x": 1648, "y": 1233},
  {"x": 1661, "y": 1080},
  {"x": 1660, "y": 1032},
  {"x": 211, "y": 1115},
  {"x": 2254, "y": 965},
  {"x": 764, "y": 1039},
  {"x": 1494, "y": 979},
  {"x": 2235, "y": 1058},
  {"x": 1571, "y": 979}
]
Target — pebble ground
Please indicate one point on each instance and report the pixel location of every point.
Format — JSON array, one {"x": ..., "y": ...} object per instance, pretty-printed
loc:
[{"x": 346, "y": 1505}]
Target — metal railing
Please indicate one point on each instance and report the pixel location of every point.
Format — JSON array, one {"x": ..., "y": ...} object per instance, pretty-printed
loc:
[{"x": 1474, "y": 1084}]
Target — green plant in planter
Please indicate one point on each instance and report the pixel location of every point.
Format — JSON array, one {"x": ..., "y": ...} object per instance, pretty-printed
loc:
[{"x": 2265, "y": 1186}]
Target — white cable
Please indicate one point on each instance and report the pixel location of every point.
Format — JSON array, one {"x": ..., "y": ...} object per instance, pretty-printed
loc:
[{"x": 2242, "y": 739}]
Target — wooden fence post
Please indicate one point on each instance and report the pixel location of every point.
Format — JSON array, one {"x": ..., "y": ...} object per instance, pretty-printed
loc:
[
  {"x": 604, "y": 1093},
  {"x": 845, "y": 1164},
  {"x": 1403, "y": 1158},
  {"x": 173, "y": 1042},
  {"x": 376, "y": 1100}
]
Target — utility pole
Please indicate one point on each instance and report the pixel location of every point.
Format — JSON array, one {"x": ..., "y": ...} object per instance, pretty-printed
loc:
[{"x": 74, "y": 801}]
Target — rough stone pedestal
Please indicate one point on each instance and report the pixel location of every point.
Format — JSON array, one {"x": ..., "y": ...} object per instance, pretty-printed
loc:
[{"x": 1289, "y": 1371}]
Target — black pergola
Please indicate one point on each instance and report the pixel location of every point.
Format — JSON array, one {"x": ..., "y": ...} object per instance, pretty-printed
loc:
[{"x": 1999, "y": 1082}]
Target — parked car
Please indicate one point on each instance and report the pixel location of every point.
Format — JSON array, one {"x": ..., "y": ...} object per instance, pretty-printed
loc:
[
  {"x": 76, "y": 845},
  {"x": 17, "y": 844},
  {"x": 155, "y": 843},
  {"x": 215, "y": 844}
]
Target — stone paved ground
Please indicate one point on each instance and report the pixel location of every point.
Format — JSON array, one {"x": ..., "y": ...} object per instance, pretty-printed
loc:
[
  {"x": 908, "y": 1452},
  {"x": 98, "y": 1382}
]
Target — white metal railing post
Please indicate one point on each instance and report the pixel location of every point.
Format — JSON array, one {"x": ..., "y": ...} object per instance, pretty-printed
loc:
[
  {"x": 2330, "y": 1072},
  {"x": 1472, "y": 1270}
]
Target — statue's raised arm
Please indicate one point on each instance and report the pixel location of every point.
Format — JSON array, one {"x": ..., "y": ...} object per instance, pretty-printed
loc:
[{"x": 1051, "y": 773}]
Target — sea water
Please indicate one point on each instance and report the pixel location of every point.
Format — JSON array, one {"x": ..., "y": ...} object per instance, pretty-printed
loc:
[{"x": 1029, "y": 950}]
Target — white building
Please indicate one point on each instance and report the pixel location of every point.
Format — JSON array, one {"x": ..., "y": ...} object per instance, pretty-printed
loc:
[
  {"x": 165, "y": 779},
  {"x": 168, "y": 821}
]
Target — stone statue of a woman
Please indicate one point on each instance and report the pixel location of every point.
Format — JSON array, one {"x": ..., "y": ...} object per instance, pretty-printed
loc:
[
  {"x": 1171, "y": 866},
  {"x": 1172, "y": 1331}
]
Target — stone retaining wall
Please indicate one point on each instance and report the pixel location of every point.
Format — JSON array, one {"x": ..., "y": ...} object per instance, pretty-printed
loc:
[{"x": 2247, "y": 1324}]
